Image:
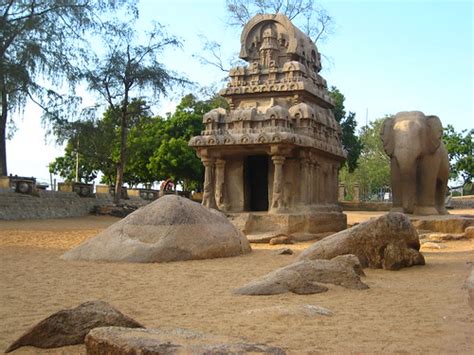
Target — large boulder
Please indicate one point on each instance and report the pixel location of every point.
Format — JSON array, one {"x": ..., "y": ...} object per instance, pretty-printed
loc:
[
  {"x": 307, "y": 277},
  {"x": 165, "y": 340},
  {"x": 172, "y": 228},
  {"x": 70, "y": 326},
  {"x": 389, "y": 242}
]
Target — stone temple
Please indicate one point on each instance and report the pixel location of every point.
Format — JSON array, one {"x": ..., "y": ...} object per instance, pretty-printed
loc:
[{"x": 278, "y": 149}]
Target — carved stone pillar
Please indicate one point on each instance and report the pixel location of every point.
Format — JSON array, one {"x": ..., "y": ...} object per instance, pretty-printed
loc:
[
  {"x": 220, "y": 190},
  {"x": 208, "y": 196},
  {"x": 312, "y": 183},
  {"x": 356, "y": 197},
  {"x": 336, "y": 182},
  {"x": 316, "y": 182},
  {"x": 277, "y": 198},
  {"x": 305, "y": 182},
  {"x": 341, "y": 192}
]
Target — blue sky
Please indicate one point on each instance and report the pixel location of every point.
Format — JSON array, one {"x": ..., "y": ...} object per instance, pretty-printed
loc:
[{"x": 385, "y": 56}]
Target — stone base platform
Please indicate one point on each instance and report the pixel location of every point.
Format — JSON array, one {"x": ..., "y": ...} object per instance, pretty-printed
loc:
[
  {"x": 261, "y": 227},
  {"x": 450, "y": 223}
]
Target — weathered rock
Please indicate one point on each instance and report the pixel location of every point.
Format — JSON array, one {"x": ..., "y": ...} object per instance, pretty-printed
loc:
[
  {"x": 171, "y": 228},
  {"x": 389, "y": 242},
  {"x": 125, "y": 341},
  {"x": 70, "y": 326},
  {"x": 469, "y": 232},
  {"x": 284, "y": 251},
  {"x": 306, "y": 276},
  {"x": 284, "y": 239},
  {"x": 302, "y": 310}
]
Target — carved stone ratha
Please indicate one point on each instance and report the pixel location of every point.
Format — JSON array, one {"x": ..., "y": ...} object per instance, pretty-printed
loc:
[{"x": 278, "y": 149}]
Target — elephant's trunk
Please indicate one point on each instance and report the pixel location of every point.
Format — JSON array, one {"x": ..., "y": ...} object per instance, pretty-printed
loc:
[{"x": 407, "y": 163}]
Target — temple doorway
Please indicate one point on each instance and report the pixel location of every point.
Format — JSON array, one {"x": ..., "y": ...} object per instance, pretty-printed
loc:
[{"x": 256, "y": 183}]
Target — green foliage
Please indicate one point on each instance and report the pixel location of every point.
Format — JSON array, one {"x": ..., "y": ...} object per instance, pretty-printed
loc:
[
  {"x": 157, "y": 147},
  {"x": 351, "y": 143},
  {"x": 174, "y": 158},
  {"x": 373, "y": 170},
  {"x": 460, "y": 147},
  {"x": 128, "y": 69},
  {"x": 65, "y": 166},
  {"x": 42, "y": 45}
]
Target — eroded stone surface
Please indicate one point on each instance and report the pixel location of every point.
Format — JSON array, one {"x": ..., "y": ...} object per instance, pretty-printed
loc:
[
  {"x": 171, "y": 228},
  {"x": 70, "y": 326},
  {"x": 308, "y": 277},
  {"x": 125, "y": 341},
  {"x": 389, "y": 242}
]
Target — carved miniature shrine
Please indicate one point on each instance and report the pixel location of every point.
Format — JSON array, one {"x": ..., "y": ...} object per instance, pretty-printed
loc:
[{"x": 278, "y": 148}]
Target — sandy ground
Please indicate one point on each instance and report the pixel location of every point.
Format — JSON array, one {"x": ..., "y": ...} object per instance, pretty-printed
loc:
[{"x": 419, "y": 309}]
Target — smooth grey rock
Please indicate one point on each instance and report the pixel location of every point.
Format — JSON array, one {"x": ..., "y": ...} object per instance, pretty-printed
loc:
[
  {"x": 163, "y": 340},
  {"x": 171, "y": 228},
  {"x": 70, "y": 326},
  {"x": 306, "y": 276},
  {"x": 389, "y": 242}
]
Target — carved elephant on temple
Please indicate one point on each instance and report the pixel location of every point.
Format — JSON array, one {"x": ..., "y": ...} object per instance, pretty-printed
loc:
[
  {"x": 419, "y": 164},
  {"x": 212, "y": 119}
]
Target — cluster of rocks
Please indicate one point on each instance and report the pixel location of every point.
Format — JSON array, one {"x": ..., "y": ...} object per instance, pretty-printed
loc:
[{"x": 105, "y": 330}]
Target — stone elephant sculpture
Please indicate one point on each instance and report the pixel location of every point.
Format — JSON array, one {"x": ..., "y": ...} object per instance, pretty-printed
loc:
[{"x": 419, "y": 164}]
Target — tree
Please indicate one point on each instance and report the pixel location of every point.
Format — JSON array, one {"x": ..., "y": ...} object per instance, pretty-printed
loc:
[
  {"x": 373, "y": 170},
  {"x": 460, "y": 147},
  {"x": 89, "y": 147},
  {"x": 174, "y": 158},
  {"x": 41, "y": 44},
  {"x": 351, "y": 143},
  {"x": 73, "y": 167},
  {"x": 129, "y": 68},
  {"x": 313, "y": 19},
  {"x": 95, "y": 144}
]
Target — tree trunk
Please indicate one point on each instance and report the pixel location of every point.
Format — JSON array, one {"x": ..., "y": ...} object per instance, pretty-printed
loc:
[
  {"x": 123, "y": 151},
  {"x": 3, "y": 132}
]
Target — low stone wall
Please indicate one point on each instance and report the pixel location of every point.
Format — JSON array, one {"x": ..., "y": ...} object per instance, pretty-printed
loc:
[
  {"x": 462, "y": 202},
  {"x": 47, "y": 204},
  {"x": 365, "y": 206}
]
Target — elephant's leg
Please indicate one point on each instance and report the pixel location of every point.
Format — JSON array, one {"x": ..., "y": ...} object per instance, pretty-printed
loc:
[
  {"x": 396, "y": 186},
  {"x": 442, "y": 182},
  {"x": 427, "y": 175}
]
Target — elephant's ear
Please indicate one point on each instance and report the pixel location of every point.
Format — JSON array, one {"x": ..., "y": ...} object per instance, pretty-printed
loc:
[
  {"x": 434, "y": 133},
  {"x": 386, "y": 134}
]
